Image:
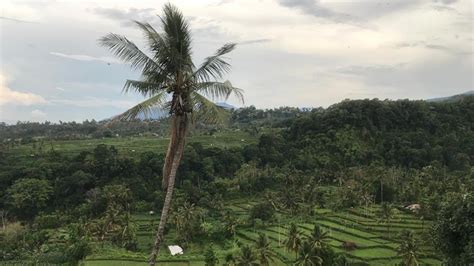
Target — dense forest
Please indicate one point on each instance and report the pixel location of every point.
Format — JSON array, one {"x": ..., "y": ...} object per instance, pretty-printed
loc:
[{"x": 356, "y": 152}]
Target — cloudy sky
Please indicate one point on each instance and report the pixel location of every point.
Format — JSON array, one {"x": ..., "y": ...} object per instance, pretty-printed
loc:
[{"x": 304, "y": 53}]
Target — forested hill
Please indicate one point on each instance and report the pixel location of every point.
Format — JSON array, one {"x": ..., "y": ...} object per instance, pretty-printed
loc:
[{"x": 392, "y": 133}]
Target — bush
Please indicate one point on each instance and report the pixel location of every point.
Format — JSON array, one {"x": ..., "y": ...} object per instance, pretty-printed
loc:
[
  {"x": 78, "y": 250},
  {"x": 142, "y": 206},
  {"x": 51, "y": 254},
  {"x": 12, "y": 245},
  {"x": 263, "y": 211},
  {"x": 48, "y": 221}
]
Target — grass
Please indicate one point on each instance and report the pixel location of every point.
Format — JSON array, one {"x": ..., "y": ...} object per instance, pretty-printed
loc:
[{"x": 130, "y": 145}]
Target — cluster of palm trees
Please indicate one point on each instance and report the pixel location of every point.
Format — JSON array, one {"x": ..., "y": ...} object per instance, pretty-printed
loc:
[
  {"x": 307, "y": 251},
  {"x": 258, "y": 254}
]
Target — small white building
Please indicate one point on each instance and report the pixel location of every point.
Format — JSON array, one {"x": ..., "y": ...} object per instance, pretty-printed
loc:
[{"x": 175, "y": 250}]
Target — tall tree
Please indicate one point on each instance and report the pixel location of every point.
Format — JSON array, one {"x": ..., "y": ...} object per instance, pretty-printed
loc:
[
  {"x": 210, "y": 258},
  {"x": 307, "y": 255},
  {"x": 408, "y": 249},
  {"x": 27, "y": 196},
  {"x": 170, "y": 81},
  {"x": 453, "y": 229},
  {"x": 293, "y": 241},
  {"x": 264, "y": 253},
  {"x": 386, "y": 215},
  {"x": 246, "y": 257},
  {"x": 318, "y": 238}
]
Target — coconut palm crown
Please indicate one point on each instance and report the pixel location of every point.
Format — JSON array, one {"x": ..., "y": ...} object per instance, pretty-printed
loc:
[{"x": 168, "y": 70}]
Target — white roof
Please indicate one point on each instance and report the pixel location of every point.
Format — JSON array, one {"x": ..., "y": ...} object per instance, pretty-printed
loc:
[{"x": 175, "y": 250}]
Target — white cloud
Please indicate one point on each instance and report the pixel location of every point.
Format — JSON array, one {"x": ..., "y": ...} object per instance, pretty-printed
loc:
[
  {"x": 94, "y": 102},
  {"x": 9, "y": 96},
  {"x": 81, "y": 57},
  {"x": 38, "y": 115}
]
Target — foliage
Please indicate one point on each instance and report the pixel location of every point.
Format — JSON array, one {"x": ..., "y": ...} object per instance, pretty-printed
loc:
[
  {"x": 187, "y": 220},
  {"x": 246, "y": 257},
  {"x": 263, "y": 211},
  {"x": 210, "y": 258},
  {"x": 347, "y": 157},
  {"x": 408, "y": 249},
  {"x": 29, "y": 195},
  {"x": 318, "y": 238},
  {"x": 264, "y": 252},
  {"x": 453, "y": 228},
  {"x": 386, "y": 214},
  {"x": 293, "y": 240},
  {"x": 307, "y": 255}
]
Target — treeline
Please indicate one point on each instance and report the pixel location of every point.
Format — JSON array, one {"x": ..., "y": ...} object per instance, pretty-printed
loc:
[
  {"x": 26, "y": 132},
  {"x": 247, "y": 118}
]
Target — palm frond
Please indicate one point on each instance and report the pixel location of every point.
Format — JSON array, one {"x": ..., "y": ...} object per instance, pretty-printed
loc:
[
  {"x": 177, "y": 36},
  {"x": 155, "y": 40},
  {"x": 207, "y": 111},
  {"x": 162, "y": 52},
  {"x": 152, "y": 105},
  {"x": 146, "y": 89},
  {"x": 218, "y": 91},
  {"x": 128, "y": 52},
  {"x": 214, "y": 66},
  {"x": 177, "y": 29}
]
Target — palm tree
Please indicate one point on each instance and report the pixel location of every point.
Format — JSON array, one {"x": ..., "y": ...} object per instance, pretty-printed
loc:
[
  {"x": 264, "y": 252},
  {"x": 386, "y": 215},
  {"x": 293, "y": 241},
  {"x": 318, "y": 238},
  {"x": 340, "y": 260},
  {"x": 184, "y": 219},
  {"x": 287, "y": 199},
  {"x": 229, "y": 260},
  {"x": 408, "y": 249},
  {"x": 171, "y": 81},
  {"x": 307, "y": 255},
  {"x": 246, "y": 257}
]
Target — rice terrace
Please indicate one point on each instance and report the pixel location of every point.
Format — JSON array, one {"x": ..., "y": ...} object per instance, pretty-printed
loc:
[{"x": 236, "y": 133}]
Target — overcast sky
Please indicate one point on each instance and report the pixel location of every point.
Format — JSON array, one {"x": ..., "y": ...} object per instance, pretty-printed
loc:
[{"x": 304, "y": 53}]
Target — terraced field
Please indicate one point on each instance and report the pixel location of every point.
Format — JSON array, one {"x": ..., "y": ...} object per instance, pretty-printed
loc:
[
  {"x": 375, "y": 245},
  {"x": 129, "y": 145}
]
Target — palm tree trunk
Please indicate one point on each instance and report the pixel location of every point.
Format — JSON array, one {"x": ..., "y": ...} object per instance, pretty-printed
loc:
[
  {"x": 178, "y": 133},
  {"x": 172, "y": 146}
]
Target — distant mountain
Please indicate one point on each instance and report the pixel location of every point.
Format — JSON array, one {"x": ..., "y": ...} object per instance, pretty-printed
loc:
[
  {"x": 225, "y": 105},
  {"x": 453, "y": 98}
]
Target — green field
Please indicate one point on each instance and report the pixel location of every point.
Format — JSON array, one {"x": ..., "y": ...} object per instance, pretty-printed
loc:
[
  {"x": 373, "y": 247},
  {"x": 129, "y": 145}
]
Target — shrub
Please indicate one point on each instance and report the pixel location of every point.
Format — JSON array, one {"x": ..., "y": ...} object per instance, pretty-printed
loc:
[
  {"x": 263, "y": 211},
  {"x": 142, "y": 206},
  {"x": 48, "y": 221},
  {"x": 12, "y": 245}
]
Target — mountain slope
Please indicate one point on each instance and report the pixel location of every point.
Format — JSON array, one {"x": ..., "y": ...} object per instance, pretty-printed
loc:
[{"x": 453, "y": 98}]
